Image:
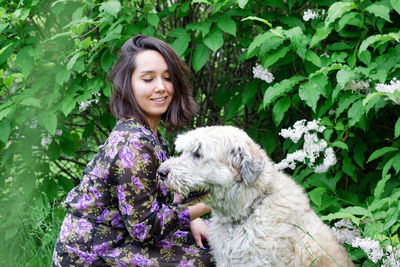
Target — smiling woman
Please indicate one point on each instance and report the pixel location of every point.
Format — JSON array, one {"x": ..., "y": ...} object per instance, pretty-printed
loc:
[{"x": 119, "y": 215}]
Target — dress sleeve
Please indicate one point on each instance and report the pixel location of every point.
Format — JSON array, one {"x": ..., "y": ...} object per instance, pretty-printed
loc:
[{"x": 138, "y": 194}]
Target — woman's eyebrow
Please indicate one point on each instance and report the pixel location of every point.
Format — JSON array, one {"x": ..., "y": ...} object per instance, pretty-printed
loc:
[{"x": 152, "y": 71}]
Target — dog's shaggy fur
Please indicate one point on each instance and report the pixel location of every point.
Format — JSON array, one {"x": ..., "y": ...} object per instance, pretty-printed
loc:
[{"x": 260, "y": 216}]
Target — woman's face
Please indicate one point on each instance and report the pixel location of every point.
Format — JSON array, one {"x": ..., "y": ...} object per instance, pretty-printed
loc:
[{"x": 152, "y": 86}]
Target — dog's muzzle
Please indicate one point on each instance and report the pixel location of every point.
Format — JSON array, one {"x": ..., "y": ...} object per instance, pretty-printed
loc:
[{"x": 162, "y": 174}]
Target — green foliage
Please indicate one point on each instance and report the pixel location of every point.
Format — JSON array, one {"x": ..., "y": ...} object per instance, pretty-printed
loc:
[{"x": 55, "y": 57}]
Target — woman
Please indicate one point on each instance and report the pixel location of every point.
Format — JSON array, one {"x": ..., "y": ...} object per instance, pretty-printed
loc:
[{"x": 119, "y": 215}]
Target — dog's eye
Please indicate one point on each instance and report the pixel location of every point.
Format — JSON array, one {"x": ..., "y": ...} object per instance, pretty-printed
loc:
[{"x": 197, "y": 155}]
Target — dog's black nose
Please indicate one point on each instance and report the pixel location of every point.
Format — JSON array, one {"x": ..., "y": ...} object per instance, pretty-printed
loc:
[{"x": 163, "y": 174}]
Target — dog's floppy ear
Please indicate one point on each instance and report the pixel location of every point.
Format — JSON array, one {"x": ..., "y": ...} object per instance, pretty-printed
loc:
[{"x": 249, "y": 160}]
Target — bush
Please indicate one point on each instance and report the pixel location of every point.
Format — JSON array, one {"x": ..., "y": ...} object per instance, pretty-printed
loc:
[{"x": 259, "y": 65}]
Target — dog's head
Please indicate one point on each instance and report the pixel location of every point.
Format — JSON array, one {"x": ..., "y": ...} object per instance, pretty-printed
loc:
[{"x": 210, "y": 158}]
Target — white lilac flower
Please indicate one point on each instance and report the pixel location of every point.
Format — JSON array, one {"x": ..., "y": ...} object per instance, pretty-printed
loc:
[
  {"x": 388, "y": 88},
  {"x": 84, "y": 105},
  {"x": 46, "y": 140},
  {"x": 358, "y": 86},
  {"x": 371, "y": 247},
  {"x": 260, "y": 73},
  {"x": 59, "y": 132},
  {"x": 392, "y": 258},
  {"x": 310, "y": 14},
  {"x": 34, "y": 123},
  {"x": 313, "y": 146},
  {"x": 345, "y": 231}
]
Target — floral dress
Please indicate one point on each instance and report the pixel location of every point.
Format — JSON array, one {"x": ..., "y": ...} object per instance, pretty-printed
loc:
[{"x": 120, "y": 216}]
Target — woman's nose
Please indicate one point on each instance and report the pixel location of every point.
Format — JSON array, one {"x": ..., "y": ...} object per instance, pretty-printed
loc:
[{"x": 160, "y": 85}]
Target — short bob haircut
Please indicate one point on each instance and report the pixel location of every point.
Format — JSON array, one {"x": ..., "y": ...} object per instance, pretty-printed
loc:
[{"x": 123, "y": 104}]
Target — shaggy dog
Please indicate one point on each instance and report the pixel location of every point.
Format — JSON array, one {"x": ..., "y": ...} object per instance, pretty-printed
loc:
[{"x": 260, "y": 216}]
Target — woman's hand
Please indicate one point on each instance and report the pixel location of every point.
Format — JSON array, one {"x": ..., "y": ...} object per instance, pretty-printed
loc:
[
  {"x": 199, "y": 231},
  {"x": 198, "y": 210}
]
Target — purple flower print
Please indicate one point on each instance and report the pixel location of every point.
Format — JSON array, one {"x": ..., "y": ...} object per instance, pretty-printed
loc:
[
  {"x": 190, "y": 250},
  {"x": 103, "y": 216},
  {"x": 119, "y": 238},
  {"x": 163, "y": 189},
  {"x": 101, "y": 249},
  {"x": 144, "y": 130},
  {"x": 83, "y": 202},
  {"x": 65, "y": 229},
  {"x": 71, "y": 250},
  {"x": 95, "y": 192},
  {"x": 116, "y": 221},
  {"x": 86, "y": 257},
  {"x": 136, "y": 182},
  {"x": 126, "y": 209},
  {"x": 70, "y": 195},
  {"x": 83, "y": 227},
  {"x": 185, "y": 263},
  {"x": 120, "y": 194},
  {"x": 155, "y": 206},
  {"x": 114, "y": 253},
  {"x": 141, "y": 261},
  {"x": 114, "y": 138},
  {"x": 164, "y": 244},
  {"x": 145, "y": 157},
  {"x": 112, "y": 152},
  {"x": 127, "y": 157},
  {"x": 121, "y": 264},
  {"x": 159, "y": 155},
  {"x": 135, "y": 143},
  {"x": 180, "y": 233},
  {"x": 184, "y": 218},
  {"x": 162, "y": 216},
  {"x": 96, "y": 171},
  {"x": 140, "y": 231}
]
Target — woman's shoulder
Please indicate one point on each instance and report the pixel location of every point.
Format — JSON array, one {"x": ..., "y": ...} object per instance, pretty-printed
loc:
[{"x": 131, "y": 130}]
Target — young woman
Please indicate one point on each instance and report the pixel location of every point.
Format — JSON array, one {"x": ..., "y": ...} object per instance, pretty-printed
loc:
[{"x": 119, "y": 215}]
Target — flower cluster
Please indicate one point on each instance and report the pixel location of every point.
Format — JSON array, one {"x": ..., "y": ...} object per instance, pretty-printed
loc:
[
  {"x": 310, "y": 14},
  {"x": 46, "y": 140},
  {"x": 260, "y": 73},
  {"x": 358, "y": 86},
  {"x": 347, "y": 233},
  {"x": 312, "y": 148},
  {"x": 388, "y": 88},
  {"x": 84, "y": 105}
]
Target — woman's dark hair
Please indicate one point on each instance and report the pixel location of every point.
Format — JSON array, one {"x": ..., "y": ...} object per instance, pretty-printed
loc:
[{"x": 123, "y": 104}]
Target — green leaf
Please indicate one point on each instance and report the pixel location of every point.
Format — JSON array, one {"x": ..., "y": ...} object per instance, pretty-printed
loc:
[
  {"x": 4, "y": 112},
  {"x": 5, "y": 131},
  {"x": 337, "y": 9},
  {"x": 200, "y": 57},
  {"x": 352, "y": 18},
  {"x": 309, "y": 92},
  {"x": 345, "y": 102},
  {"x": 280, "y": 108},
  {"x": 355, "y": 112},
  {"x": 72, "y": 61},
  {"x": 113, "y": 34},
  {"x": 203, "y": 27},
  {"x": 380, "y": 186},
  {"x": 379, "y": 10},
  {"x": 180, "y": 45},
  {"x": 107, "y": 60},
  {"x": 49, "y": 121},
  {"x": 214, "y": 40},
  {"x": 62, "y": 76},
  {"x": 228, "y": 25},
  {"x": 26, "y": 60},
  {"x": 395, "y": 5},
  {"x": 358, "y": 153},
  {"x": 270, "y": 59},
  {"x": 299, "y": 41},
  {"x": 242, "y": 3},
  {"x": 313, "y": 58},
  {"x": 279, "y": 89},
  {"x": 54, "y": 151},
  {"x": 343, "y": 76},
  {"x": 68, "y": 104},
  {"x": 111, "y": 7},
  {"x": 316, "y": 195},
  {"x": 380, "y": 152},
  {"x": 349, "y": 169},
  {"x": 262, "y": 39},
  {"x": 258, "y": 19},
  {"x": 233, "y": 106},
  {"x": 31, "y": 101},
  {"x": 340, "y": 144},
  {"x": 397, "y": 128},
  {"x": 153, "y": 19}
]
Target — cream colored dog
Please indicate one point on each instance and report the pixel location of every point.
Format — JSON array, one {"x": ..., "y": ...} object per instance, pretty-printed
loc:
[{"x": 260, "y": 216}]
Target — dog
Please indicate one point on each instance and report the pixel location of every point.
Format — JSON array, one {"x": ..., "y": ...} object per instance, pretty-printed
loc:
[{"x": 260, "y": 216}]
